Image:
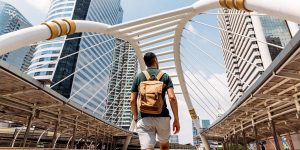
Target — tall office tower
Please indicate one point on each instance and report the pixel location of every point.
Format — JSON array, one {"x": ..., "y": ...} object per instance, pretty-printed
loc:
[
  {"x": 174, "y": 139},
  {"x": 12, "y": 20},
  {"x": 205, "y": 123},
  {"x": 195, "y": 134},
  {"x": 82, "y": 77},
  {"x": 236, "y": 49},
  {"x": 123, "y": 71}
]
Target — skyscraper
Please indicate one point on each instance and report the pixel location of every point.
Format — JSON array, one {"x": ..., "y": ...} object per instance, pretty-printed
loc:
[
  {"x": 46, "y": 56},
  {"x": 12, "y": 20},
  {"x": 82, "y": 77},
  {"x": 195, "y": 134},
  {"x": 205, "y": 123},
  {"x": 174, "y": 139},
  {"x": 123, "y": 70},
  {"x": 246, "y": 58}
]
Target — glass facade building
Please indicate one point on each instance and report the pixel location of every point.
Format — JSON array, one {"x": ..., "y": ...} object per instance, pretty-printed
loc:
[
  {"x": 195, "y": 134},
  {"x": 276, "y": 32},
  {"x": 205, "y": 123},
  {"x": 45, "y": 58},
  {"x": 241, "y": 74},
  {"x": 12, "y": 20},
  {"x": 124, "y": 70},
  {"x": 174, "y": 139},
  {"x": 91, "y": 64}
]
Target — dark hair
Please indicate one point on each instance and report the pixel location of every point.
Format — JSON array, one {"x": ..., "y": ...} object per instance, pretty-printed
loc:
[{"x": 149, "y": 59}]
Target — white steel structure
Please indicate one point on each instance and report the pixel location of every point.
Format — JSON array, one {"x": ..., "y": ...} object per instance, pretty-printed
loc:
[
  {"x": 12, "y": 20},
  {"x": 148, "y": 34},
  {"x": 48, "y": 65},
  {"x": 240, "y": 74}
]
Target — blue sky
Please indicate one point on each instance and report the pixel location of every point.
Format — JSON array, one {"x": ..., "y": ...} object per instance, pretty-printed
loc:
[
  {"x": 36, "y": 10},
  {"x": 134, "y": 9}
]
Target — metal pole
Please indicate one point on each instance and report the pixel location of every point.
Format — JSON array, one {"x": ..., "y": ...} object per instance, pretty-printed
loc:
[
  {"x": 244, "y": 140},
  {"x": 67, "y": 147},
  {"x": 127, "y": 141},
  {"x": 256, "y": 138},
  {"x": 91, "y": 144},
  {"x": 77, "y": 142},
  {"x": 273, "y": 130},
  {"x": 28, "y": 127},
  {"x": 41, "y": 136},
  {"x": 16, "y": 136},
  {"x": 87, "y": 135},
  {"x": 223, "y": 144},
  {"x": 96, "y": 139},
  {"x": 106, "y": 146},
  {"x": 227, "y": 145},
  {"x": 114, "y": 144},
  {"x": 74, "y": 134},
  {"x": 73, "y": 137},
  {"x": 110, "y": 144},
  {"x": 57, "y": 124},
  {"x": 55, "y": 134},
  {"x": 56, "y": 140},
  {"x": 236, "y": 145},
  {"x": 85, "y": 139},
  {"x": 226, "y": 141},
  {"x": 97, "y": 146},
  {"x": 230, "y": 143}
]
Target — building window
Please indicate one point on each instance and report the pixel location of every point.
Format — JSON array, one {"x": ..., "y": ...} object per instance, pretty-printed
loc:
[
  {"x": 49, "y": 72},
  {"x": 37, "y": 74},
  {"x": 51, "y": 66}
]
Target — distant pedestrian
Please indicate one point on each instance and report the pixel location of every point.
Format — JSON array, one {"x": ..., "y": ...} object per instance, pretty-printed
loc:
[
  {"x": 262, "y": 147},
  {"x": 149, "y": 108}
]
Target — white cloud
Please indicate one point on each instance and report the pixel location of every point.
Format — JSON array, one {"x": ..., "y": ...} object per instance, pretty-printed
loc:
[
  {"x": 41, "y": 5},
  {"x": 209, "y": 92}
]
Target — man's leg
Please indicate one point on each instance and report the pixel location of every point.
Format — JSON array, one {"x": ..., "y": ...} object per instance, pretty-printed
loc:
[
  {"x": 164, "y": 146},
  {"x": 163, "y": 131},
  {"x": 146, "y": 132}
]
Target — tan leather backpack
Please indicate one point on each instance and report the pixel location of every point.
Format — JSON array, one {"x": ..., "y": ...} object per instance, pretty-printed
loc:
[{"x": 150, "y": 100}]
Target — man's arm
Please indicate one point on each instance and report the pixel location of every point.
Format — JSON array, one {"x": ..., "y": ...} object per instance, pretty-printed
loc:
[
  {"x": 174, "y": 106},
  {"x": 133, "y": 104}
]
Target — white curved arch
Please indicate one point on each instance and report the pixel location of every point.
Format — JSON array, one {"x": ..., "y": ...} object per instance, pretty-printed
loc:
[{"x": 171, "y": 23}]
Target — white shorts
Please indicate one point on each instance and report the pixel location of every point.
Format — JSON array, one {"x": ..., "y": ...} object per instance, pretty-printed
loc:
[{"x": 149, "y": 128}]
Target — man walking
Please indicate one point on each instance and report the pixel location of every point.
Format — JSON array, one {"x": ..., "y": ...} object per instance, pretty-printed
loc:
[{"x": 149, "y": 108}]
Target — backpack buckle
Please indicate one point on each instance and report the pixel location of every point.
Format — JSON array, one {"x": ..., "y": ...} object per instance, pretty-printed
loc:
[{"x": 153, "y": 77}]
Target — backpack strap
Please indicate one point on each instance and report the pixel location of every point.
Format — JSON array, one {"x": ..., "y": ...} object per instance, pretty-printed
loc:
[
  {"x": 159, "y": 75},
  {"x": 147, "y": 75}
]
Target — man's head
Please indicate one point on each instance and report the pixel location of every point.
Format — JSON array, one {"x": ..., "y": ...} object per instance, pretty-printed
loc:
[{"x": 150, "y": 60}]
